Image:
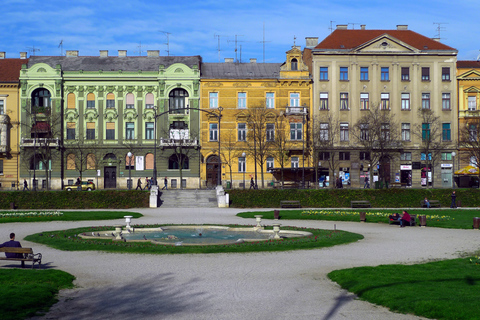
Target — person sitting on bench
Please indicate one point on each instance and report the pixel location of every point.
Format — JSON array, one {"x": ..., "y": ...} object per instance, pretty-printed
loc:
[
  {"x": 394, "y": 217},
  {"x": 426, "y": 202},
  {"x": 405, "y": 219},
  {"x": 12, "y": 243}
]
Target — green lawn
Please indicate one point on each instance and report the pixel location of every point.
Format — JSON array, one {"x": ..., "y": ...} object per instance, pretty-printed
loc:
[
  {"x": 442, "y": 218},
  {"x": 26, "y": 292},
  {"x": 447, "y": 289},
  {"x": 58, "y": 215}
]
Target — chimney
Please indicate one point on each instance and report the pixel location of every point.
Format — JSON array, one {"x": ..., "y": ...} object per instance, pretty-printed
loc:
[
  {"x": 2, "y": 55},
  {"x": 342, "y": 26},
  {"x": 253, "y": 60},
  {"x": 228, "y": 60},
  {"x": 153, "y": 53},
  {"x": 72, "y": 53},
  {"x": 311, "y": 42},
  {"x": 363, "y": 26},
  {"x": 402, "y": 26},
  {"x": 23, "y": 55},
  {"x": 122, "y": 53},
  {"x": 436, "y": 39},
  {"x": 103, "y": 53}
]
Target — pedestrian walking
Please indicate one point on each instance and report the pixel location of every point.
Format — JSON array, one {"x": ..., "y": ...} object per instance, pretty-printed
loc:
[
  {"x": 366, "y": 185},
  {"x": 165, "y": 184},
  {"x": 25, "y": 185},
  {"x": 139, "y": 184},
  {"x": 454, "y": 199},
  {"x": 252, "y": 183}
]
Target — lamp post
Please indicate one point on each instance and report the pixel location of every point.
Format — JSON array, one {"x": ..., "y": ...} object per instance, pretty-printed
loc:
[
  {"x": 244, "y": 167},
  {"x": 303, "y": 147},
  {"x": 453, "y": 168},
  {"x": 155, "y": 147},
  {"x": 220, "y": 109},
  {"x": 129, "y": 183}
]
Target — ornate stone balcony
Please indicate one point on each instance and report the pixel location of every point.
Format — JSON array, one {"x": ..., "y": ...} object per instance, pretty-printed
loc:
[
  {"x": 40, "y": 142},
  {"x": 296, "y": 111}
]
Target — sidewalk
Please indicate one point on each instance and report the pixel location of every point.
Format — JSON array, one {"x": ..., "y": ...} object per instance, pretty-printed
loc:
[{"x": 280, "y": 285}]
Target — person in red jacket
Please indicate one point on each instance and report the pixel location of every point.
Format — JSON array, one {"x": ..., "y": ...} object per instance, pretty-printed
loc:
[{"x": 405, "y": 219}]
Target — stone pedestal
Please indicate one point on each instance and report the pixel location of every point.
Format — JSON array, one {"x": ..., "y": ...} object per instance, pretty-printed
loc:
[
  {"x": 276, "y": 230},
  {"x": 223, "y": 198},
  {"x": 154, "y": 196}
]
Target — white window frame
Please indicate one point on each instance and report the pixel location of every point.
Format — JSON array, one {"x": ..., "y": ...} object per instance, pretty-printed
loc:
[
  {"x": 270, "y": 163},
  {"x": 270, "y": 132},
  {"x": 213, "y": 132},
  {"x": 296, "y": 131},
  {"x": 323, "y": 101},
  {"x": 405, "y": 101},
  {"x": 242, "y": 164},
  {"x": 405, "y": 131},
  {"x": 344, "y": 134},
  {"x": 241, "y": 100},
  {"x": 270, "y": 100},
  {"x": 242, "y": 131},
  {"x": 385, "y": 101},
  {"x": 295, "y": 162},
  {"x": 294, "y": 99},
  {"x": 3, "y": 108},
  {"x": 364, "y": 101},
  {"x": 472, "y": 103},
  {"x": 213, "y": 100}
]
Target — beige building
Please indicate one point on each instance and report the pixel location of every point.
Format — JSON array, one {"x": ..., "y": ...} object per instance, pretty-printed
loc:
[{"x": 399, "y": 71}]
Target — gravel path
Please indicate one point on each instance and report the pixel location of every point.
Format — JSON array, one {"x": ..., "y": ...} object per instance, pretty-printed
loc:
[{"x": 281, "y": 285}]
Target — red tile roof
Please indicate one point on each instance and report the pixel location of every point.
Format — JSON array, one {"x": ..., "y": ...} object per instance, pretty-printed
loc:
[
  {"x": 350, "y": 39},
  {"x": 468, "y": 64},
  {"x": 10, "y": 69}
]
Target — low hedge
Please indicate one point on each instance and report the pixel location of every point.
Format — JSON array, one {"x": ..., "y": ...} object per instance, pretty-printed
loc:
[
  {"x": 340, "y": 198},
  {"x": 99, "y": 199}
]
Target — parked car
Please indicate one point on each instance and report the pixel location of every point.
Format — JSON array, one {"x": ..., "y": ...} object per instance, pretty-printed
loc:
[{"x": 85, "y": 185}]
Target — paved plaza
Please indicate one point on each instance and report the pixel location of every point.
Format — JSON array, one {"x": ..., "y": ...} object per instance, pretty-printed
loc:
[{"x": 268, "y": 285}]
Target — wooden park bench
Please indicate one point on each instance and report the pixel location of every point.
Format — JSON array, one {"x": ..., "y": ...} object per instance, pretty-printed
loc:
[
  {"x": 290, "y": 204},
  {"x": 360, "y": 204},
  {"x": 433, "y": 204},
  {"x": 27, "y": 254}
]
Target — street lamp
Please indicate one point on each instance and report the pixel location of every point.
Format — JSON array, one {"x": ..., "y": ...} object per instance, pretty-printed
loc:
[
  {"x": 155, "y": 148},
  {"x": 453, "y": 168},
  {"x": 129, "y": 183},
  {"x": 244, "y": 167}
]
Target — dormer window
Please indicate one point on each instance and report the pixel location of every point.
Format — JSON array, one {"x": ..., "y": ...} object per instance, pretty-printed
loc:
[{"x": 294, "y": 64}]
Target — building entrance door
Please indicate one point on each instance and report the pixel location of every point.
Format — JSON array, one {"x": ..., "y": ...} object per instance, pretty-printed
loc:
[
  {"x": 447, "y": 178},
  {"x": 110, "y": 177},
  {"x": 212, "y": 171}
]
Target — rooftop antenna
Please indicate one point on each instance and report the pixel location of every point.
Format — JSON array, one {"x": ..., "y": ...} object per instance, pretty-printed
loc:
[
  {"x": 353, "y": 24},
  {"x": 32, "y": 50},
  {"x": 236, "y": 43},
  {"x": 263, "y": 42},
  {"x": 168, "y": 41},
  {"x": 218, "y": 46},
  {"x": 140, "y": 51},
  {"x": 478, "y": 58},
  {"x": 61, "y": 47},
  {"x": 439, "y": 28},
  {"x": 331, "y": 26}
]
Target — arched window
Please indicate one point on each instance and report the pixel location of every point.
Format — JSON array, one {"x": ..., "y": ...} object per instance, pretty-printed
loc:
[
  {"x": 130, "y": 162},
  {"x": 176, "y": 159},
  {"x": 41, "y": 100},
  {"x": 110, "y": 156},
  {"x": 71, "y": 101},
  {"x": 178, "y": 99},
  {"x": 130, "y": 101},
  {"x": 91, "y": 162},
  {"x": 294, "y": 64},
  {"x": 71, "y": 161},
  {"x": 149, "y": 101},
  {"x": 149, "y": 161}
]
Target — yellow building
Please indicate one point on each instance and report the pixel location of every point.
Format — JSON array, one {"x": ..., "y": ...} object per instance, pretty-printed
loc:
[
  {"x": 265, "y": 110},
  {"x": 9, "y": 122}
]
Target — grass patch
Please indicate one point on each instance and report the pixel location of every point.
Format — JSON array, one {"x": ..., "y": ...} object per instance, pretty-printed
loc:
[
  {"x": 447, "y": 289},
  {"x": 68, "y": 240},
  {"x": 442, "y": 218},
  {"x": 27, "y": 292},
  {"x": 41, "y": 216}
]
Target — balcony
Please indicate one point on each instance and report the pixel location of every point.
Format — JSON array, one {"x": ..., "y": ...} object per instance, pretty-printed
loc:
[
  {"x": 178, "y": 142},
  {"x": 4, "y": 149},
  {"x": 40, "y": 142},
  {"x": 296, "y": 111}
]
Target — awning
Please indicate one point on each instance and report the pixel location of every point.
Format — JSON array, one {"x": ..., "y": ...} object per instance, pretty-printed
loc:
[
  {"x": 41, "y": 126},
  {"x": 468, "y": 170}
]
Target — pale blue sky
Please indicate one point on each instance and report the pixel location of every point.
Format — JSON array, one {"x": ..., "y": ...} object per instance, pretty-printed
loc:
[{"x": 93, "y": 25}]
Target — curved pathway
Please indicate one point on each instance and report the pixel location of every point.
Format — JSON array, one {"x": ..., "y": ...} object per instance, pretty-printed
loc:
[{"x": 280, "y": 285}]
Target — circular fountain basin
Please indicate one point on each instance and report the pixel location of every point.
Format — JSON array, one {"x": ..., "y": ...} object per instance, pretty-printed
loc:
[{"x": 206, "y": 235}]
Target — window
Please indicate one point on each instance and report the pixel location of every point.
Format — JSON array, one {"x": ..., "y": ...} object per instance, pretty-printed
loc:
[
  {"x": 213, "y": 132},
  {"x": 445, "y": 74},
  {"x": 424, "y": 157},
  {"x": 174, "y": 163},
  {"x": 41, "y": 100},
  {"x": 294, "y": 64},
  {"x": 343, "y": 156},
  {"x": 425, "y": 100},
  {"x": 324, "y": 156},
  {"x": 445, "y": 101},
  {"x": 323, "y": 132},
  {"x": 71, "y": 101},
  {"x": 385, "y": 131},
  {"x": 323, "y": 101},
  {"x": 364, "y": 101},
  {"x": 343, "y": 101},
  {"x": 405, "y": 131},
  {"x": 364, "y": 73},
  {"x": 344, "y": 73},
  {"x": 270, "y": 132},
  {"x": 446, "y": 132},
  {"x": 213, "y": 100},
  {"x": 324, "y": 73},
  {"x": 385, "y": 101},
  {"x": 130, "y": 161},
  {"x": 242, "y": 132},
  {"x": 2, "y": 106},
  {"x": 130, "y": 130},
  {"x": 91, "y": 162},
  {"x": 178, "y": 101},
  {"x": 405, "y": 101},
  {"x": 241, "y": 164},
  {"x": 90, "y": 101},
  {"x": 384, "y": 76},
  {"x": 110, "y": 100},
  {"x": 343, "y": 131},
  {"x": 425, "y": 74},
  {"x": 90, "y": 131},
  {"x": 296, "y": 131},
  {"x": 241, "y": 100},
  {"x": 149, "y": 101},
  {"x": 406, "y": 156},
  {"x": 1, "y": 166},
  {"x": 130, "y": 101},
  {"x": 71, "y": 161},
  {"x": 270, "y": 164},
  {"x": 149, "y": 161},
  {"x": 425, "y": 131},
  {"x": 149, "y": 130},
  {"x": 472, "y": 132},
  {"x": 294, "y": 99},
  {"x": 363, "y": 131},
  {"x": 295, "y": 162},
  {"x": 472, "y": 103},
  {"x": 405, "y": 73},
  {"x": 70, "y": 130},
  {"x": 270, "y": 100},
  {"x": 446, "y": 156},
  {"x": 364, "y": 156},
  {"x": 110, "y": 131}
]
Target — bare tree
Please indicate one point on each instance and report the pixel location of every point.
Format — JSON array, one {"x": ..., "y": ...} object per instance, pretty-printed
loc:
[
  {"x": 280, "y": 141},
  {"x": 469, "y": 141},
  {"x": 229, "y": 151}
]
